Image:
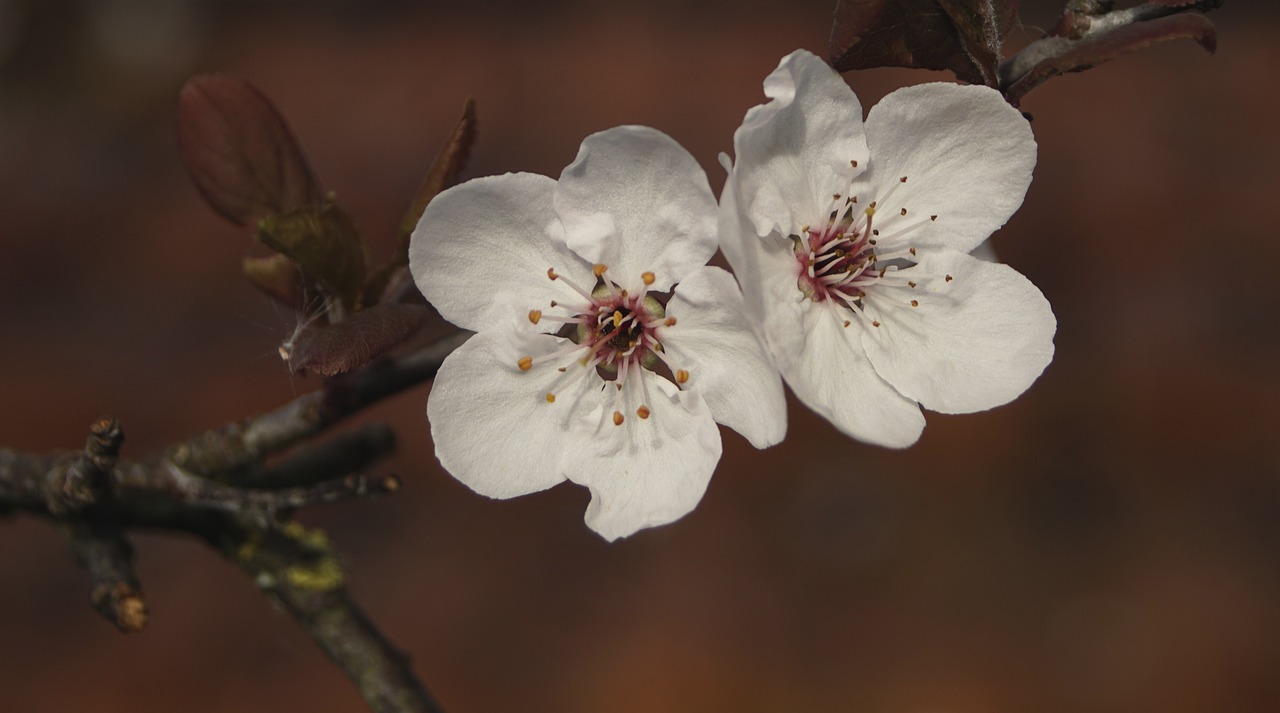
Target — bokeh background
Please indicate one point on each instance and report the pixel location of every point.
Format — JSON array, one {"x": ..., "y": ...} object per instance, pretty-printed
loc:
[{"x": 1109, "y": 542}]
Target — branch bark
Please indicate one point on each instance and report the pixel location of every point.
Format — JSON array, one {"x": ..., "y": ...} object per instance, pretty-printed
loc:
[{"x": 217, "y": 487}]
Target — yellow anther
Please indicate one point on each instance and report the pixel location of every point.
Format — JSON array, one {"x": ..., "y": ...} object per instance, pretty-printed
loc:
[
  {"x": 617, "y": 318},
  {"x": 617, "y": 418},
  {"x": 535, "y": 315},
  {"x": 870, "y": 210},
  {"x": 670, "y": 321},
  {"x": 551, "y": 273},
  {"x": 599, "y": 269},
  {"x": 682, "y": 376},
  {"x": 643, "y": 411},
  {"x": 525, "y": 363},
  {"x": 648, "y": 277},
  {"x": 551, "y": 398}
]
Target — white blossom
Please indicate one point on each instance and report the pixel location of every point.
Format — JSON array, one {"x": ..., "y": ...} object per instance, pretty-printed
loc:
[
  {"x": 589, "y": 364},
  {"x": 851, "y": 243}
]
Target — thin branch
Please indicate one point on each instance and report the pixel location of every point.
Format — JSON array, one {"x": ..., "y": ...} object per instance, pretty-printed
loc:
[
  {"x": 241, "y": 445},
  {"x": 101, "y": 547},
  {"x": 334, "y": 458},
  {"x": 1082, "y": 21}
]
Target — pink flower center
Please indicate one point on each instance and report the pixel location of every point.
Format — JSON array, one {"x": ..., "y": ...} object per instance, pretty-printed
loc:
[{"x": 614, "y": 335}]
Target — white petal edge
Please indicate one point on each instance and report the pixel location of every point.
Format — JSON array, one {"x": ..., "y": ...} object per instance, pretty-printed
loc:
[
  {"x": 792, "y": 153},
  {"x": 493, "y": 428},
  {"x": 974, "y": 343},
  {"x": 485, "y": 243},
  {"x": 637, "y": 201},
  {"x": 967, "y": 155},
  {"x": 728, "y": 365},
  {"x": 646, "y": 472},
  {"x": 832, "y": 375}
]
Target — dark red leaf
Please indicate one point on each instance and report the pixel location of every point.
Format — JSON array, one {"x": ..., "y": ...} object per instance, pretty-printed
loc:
[
  {"x": 1102, "y": 47},
  {"x": 239, "y": 150},
  {"x": 445, "y": 169},
  {"x": 962, "y": 36},
  {"x": 355, "y": 341}
]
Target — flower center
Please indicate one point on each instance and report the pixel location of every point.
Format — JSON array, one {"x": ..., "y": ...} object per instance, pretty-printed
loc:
[
  {"x": 846, "y": 261},
  {"x": 614, "y": 336}
]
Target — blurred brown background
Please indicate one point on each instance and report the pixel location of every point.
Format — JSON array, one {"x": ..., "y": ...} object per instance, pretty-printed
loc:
[{"x": 1109, "y": 542}]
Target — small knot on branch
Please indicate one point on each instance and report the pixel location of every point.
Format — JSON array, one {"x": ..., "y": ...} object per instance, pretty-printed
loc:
[
  {"x": 122, "y": 604},
  {"x": 87, "y": 481}
]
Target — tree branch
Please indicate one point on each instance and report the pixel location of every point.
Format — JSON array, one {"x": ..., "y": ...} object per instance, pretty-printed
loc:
[{"x": 215, "y": 486}]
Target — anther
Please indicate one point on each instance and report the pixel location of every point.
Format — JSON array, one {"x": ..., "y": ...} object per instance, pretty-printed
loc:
[
  {"x": 903, "y": 179},
  {"x": 853, "y": 163},
  {"x": 950, "y": 278},
  {"x": 682, "y": 376},
  {"x": 643, "y": 411},
  {"x": 551, "y": 398},
  {"x": 648, "y": 277},
  {"x": 599, "y": 269},
  {"x": 911, "y": 250},
  {"x": 535, "y": 315},
  {"x": 847, "y": 323},
  {"x": 933, "y": 217},
  {"x": 910, "y": 283},
  {"x": 835, "y": 196},
  {"x": 874, "y": 323},
  {"x": 915, "y": 303},
  {"x": 617, "y": 418},
  {"x": 670, "y": 321},
  {"x": 525, "y": 363},
  {"x": 551, "y": 273},
  {"x": 902, "y": 212},
  {"x": 617, "y": 319},
  {"x": 554, "y": 303}
]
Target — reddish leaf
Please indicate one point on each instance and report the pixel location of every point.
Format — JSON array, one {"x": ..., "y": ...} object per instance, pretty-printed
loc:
[
  {"x": 445, "y": 169},
  {"x": 448, "y": 164},
  {"x": 239, "y": 150},
  {"x": 278, "y": 276},
  {"x": 1101, "y": 47},
  {"x": 355, "y": 341},
  {"x": 962, "y": 36}
]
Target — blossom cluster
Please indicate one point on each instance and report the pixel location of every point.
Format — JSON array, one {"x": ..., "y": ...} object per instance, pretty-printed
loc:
[{"x": 607, "y": 350}]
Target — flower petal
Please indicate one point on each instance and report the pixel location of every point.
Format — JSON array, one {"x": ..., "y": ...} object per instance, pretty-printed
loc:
[
  {"x": 766, "y": 268},
  {"x": 487, "y": 242},
  {"x": 833, "y": 376},
  {"x": 795, "y": 151},
  {"x": 975, "y": 342},
  {"x": 650, "y": 471},
  {"x": 967, "y": 156},
  {"x": 636, "y": 201},
  {"x": 493, "y": 427},
  {"x": 729, "y": 367}
]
